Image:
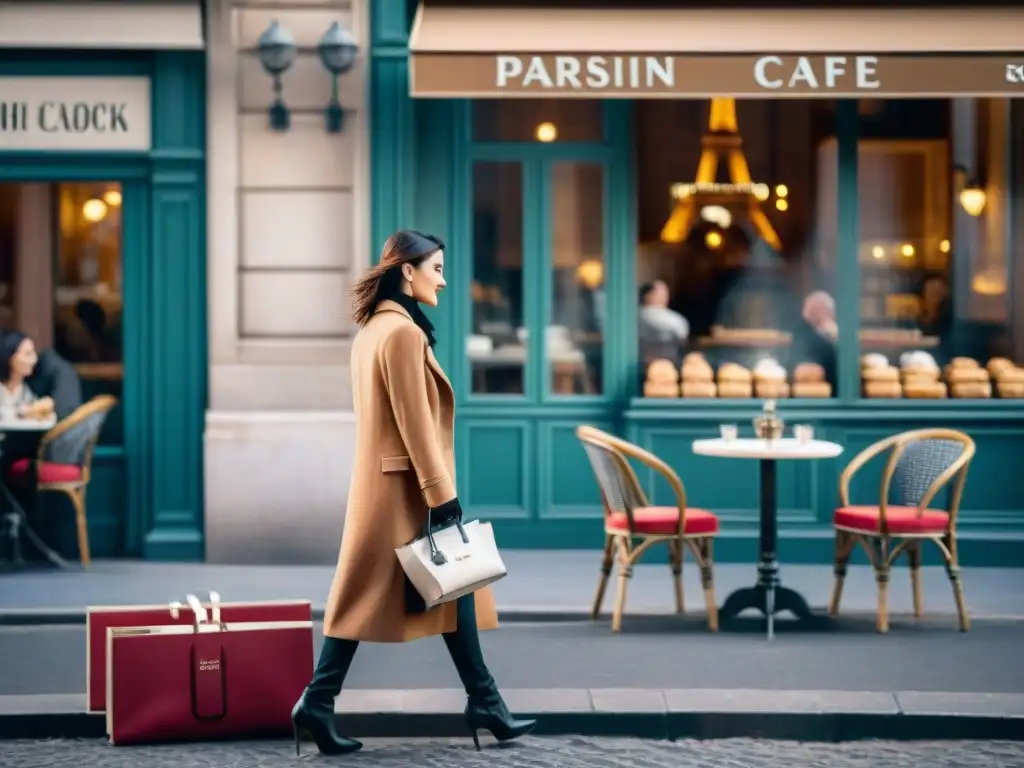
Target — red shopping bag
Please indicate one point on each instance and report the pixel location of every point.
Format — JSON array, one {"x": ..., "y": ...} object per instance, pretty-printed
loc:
[
  {"x": 207, "y": 680},
  {"x": 100, "y": 619}
]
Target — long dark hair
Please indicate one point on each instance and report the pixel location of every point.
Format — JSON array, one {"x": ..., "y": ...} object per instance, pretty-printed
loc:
[{"x": 407, "y": 246}]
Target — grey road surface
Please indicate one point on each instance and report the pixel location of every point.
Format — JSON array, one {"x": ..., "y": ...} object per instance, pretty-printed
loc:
[{"x": 564, "y": 752}]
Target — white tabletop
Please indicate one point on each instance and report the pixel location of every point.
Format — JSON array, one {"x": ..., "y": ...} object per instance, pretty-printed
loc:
[
  {"x": 753, "y": 448},
  {"x": 26, "y": 425}
]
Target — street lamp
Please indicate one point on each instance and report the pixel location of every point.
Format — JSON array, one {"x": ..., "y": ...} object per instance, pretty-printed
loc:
[
  {"x": 338, "y": 51},
  {"x": 276, "y": 48}
]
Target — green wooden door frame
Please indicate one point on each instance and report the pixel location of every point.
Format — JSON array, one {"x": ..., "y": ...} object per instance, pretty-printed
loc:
[{"x": 164, "y": 247}]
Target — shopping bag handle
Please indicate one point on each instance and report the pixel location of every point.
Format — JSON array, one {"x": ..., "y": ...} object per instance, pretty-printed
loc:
[
  {"x": 437, "y": 557},
  {"x": 201, "y": 616}
]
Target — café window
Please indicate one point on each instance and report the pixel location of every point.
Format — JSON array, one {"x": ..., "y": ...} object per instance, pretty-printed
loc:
[
  {"x": 734, "y": 262},
  {"x": 936, "y": 194},
  {"x": 537, "y": 120},
  {"x": 61, "y": 278}
]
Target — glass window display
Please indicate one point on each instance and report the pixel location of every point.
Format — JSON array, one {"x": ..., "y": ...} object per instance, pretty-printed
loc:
[
  {"x": 736, "y": 252},
  {"x": 935, "y": 189}
]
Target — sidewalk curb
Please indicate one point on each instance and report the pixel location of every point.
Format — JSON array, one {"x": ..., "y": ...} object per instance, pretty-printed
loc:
[
  {"x": 790, "y": 726},
  {"x": 679, "y": 714}
]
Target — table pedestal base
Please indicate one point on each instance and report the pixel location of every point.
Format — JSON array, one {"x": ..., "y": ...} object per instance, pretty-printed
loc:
[{"x": 768, "y": 601}]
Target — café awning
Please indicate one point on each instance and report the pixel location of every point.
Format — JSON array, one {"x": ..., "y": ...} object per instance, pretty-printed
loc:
[
  {"x": 141, "y": 25},
  {"x": 481, "y": 52}
]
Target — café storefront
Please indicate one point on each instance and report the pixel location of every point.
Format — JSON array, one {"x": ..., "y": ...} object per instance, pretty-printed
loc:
[
  {"x": 102, "y": 248},
  {"x": 747, "y": 159}
]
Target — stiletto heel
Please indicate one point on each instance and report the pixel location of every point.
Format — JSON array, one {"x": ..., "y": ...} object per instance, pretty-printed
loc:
[
  {"x": 297, "y": 737},
  {"x": 317, "y": 722},
  {"x": 476, "y": 740}
]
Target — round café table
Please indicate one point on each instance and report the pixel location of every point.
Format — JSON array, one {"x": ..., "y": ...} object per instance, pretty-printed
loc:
[
  {"x": 16, "y": 522},
  {"x": 768, "y": 596}
]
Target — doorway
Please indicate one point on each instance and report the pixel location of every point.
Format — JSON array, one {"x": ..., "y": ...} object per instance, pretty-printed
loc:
[{"x": 61, "y": 284}]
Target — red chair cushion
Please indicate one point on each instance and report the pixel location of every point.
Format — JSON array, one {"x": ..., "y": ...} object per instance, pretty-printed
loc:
[
  {"x": 664, "y": 521},
  {"x": 898, "y": 519},
  {"x": 20, "y": 471}
]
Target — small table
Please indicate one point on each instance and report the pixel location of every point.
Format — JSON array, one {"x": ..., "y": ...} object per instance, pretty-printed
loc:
[
  {"x": 767, "y": 596},
  {"x": 14, "y": 522}
]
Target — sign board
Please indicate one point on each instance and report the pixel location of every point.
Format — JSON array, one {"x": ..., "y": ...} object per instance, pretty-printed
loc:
[
  {"x": 667, "y": 76},
  {"x": 75, "y": 114}
]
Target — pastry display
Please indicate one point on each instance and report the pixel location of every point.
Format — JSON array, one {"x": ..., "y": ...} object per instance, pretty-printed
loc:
[
  {"x": 874, "y": 360},
  {"x": 770, "y": 379},
  {"x": 888, "y": 373},
  {"x": 735, "y": 381},
  {"x": 971, "y": 389},
  {"x": 662, "y": 372},
  {"x": 699, "y": 389},
  {"x": 1009, "y": 380},
  {"x": 999, "y": 364},
  {"x": 808, "y": 373},
  {"x": 811, "y": 389},
  {"x": 809, "y": 381},
  {"x": 924, "y": 389},
  {"x": 918, "y": 367},
  {"x": 660, "y": 389},
  {"x": 1010, "y": 388},
  {"x": 966, "y": 375},
  {"x": 662, "y": 379},
  {"x": 696, "y": 368},
  {"x": 882, "y": 389}
]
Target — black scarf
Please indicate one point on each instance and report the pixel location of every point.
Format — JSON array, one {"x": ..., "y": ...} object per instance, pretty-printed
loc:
[{"x": 410, "y": 305}]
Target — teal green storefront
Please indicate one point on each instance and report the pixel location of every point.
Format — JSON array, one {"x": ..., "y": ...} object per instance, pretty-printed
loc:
[
  {"x": 146, "y": 494},
  {"x": 519, "y": 462}
]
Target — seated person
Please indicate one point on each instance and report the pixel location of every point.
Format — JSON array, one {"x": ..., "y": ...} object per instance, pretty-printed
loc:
[
  {"x": 54, "y": 378},
  {"x": 18, "y": 360},
  {"x": 17, "y": 400},
  {"x": 663, "y": 331},
  {"x": 815, "y": 338}
]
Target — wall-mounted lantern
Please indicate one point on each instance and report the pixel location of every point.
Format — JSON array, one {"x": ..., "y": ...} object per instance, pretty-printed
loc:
[
  {"x": 338, "y": 51},
  {"x": 972, "y": 195},
  {"x": 277, "y": 52}
]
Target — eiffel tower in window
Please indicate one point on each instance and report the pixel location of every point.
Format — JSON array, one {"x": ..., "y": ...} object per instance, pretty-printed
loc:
[{"x": 740, "y": 196}]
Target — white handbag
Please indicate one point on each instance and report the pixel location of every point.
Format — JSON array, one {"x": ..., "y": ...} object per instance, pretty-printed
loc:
[{"x": 444, "y": 565}]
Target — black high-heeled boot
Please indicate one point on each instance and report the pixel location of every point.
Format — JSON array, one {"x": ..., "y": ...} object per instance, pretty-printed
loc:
[
  {"x": 485, "y": 709},
  {"x": 313, "y": 713}
]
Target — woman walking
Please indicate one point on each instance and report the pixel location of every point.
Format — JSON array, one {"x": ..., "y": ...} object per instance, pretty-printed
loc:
[{"x": 404, "y": 465}]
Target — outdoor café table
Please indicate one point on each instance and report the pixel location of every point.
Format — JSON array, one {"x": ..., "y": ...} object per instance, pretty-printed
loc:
[
  {"x": 16, "y": 520},
  {"x": 767, "y": 595}
]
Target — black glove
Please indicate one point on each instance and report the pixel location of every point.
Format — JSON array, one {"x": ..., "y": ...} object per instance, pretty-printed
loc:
[{"x": 447, "y": 513}]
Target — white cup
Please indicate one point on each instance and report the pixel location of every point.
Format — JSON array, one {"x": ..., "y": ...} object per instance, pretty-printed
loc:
[
  {"x": 729, "y": 432},
  {"x": 803, "y": 433}
]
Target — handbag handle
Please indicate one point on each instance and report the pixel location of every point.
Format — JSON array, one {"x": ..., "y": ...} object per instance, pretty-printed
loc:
[{"x": 437, "y": 557}]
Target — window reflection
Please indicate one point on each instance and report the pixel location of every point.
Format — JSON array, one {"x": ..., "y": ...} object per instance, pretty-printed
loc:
[
  {"x": 934, "y": 248},
  {"x": 497, "y": 345},
  {"x": 737, "y": 295},
  {"x": 574, "y": 336}
]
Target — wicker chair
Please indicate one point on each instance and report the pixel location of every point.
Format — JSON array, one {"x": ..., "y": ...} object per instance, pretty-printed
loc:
[
  {"x": 632, "y": 525},
  {"x": 63, "y": 463},
  {"x": 921, "y": 463}
]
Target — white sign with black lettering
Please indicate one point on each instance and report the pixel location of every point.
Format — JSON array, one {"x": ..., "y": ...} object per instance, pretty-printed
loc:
[{"x": 73, "y": 114}]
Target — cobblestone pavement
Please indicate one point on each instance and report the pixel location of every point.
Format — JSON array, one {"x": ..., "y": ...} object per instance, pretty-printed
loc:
[{"x": 540, "y": 752}]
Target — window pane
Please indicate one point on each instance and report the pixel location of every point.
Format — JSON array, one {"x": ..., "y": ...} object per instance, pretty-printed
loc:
[
  {"x": 544, "y": 120},
  {"x": 934, "y": 274},
  {"x": 574, "y": 335},
  {"x": 87, "y": 285},
  {"x": 737, "y": 219},
  {"x": 497, "y": 345}
]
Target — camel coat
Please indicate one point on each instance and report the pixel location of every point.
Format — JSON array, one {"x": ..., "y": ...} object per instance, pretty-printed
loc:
[{"x": 404, "y": 463}]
